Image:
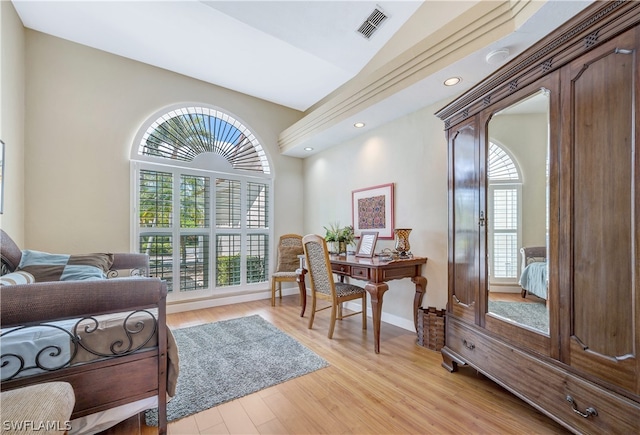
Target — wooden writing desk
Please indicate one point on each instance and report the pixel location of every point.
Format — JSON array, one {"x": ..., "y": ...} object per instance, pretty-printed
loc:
[{"x": 376, "y": 273}]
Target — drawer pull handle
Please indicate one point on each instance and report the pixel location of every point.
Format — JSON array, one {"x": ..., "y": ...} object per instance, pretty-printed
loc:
[
  {"x": 588, "y": 412},
  {"x": 468, "y": 345}
]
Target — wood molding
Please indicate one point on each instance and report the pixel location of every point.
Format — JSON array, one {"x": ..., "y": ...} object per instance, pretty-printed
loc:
[
  {"x": 473, "y": 30},
  {"x": 573, "y": 39}
]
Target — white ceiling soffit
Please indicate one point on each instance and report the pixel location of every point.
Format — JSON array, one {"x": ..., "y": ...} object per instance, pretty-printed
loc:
[
  {"x": 291, "y": 53},
  {"x": 304, "y": 54},
  {"x": 332, "y": 122}
]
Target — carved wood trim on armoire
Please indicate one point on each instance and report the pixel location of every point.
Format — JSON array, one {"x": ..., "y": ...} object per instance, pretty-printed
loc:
[{"x": 582, "y": 366}]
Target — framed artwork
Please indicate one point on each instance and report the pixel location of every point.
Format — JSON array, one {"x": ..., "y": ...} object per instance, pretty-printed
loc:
[
  {"x": 367, "y": 244},
  {"x": 372, "y": 210}
]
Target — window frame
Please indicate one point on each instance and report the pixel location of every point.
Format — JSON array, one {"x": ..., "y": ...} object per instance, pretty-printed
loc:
[
  {"x": 216, "y": 170},
  {"x": 501, "y": 185},
  {"x": 492, "y": 186}
]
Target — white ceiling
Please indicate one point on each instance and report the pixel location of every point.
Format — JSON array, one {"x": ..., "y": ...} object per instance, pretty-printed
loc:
[
  {"x": 293, "y": 53},
  {"x": 289, "y": 52}
]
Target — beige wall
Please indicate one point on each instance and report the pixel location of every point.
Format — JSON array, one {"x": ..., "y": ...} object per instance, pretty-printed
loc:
[
  {"x": 12, "y": 108},
  {"x": 525, "y": 138},
  {"x": 83, "y": 109},
  {"x": 410, "y": 152}
]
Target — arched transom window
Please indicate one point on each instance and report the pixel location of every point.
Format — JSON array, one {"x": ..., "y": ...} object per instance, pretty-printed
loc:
[
  {"x": 505, "y": 187},
  {"x": 501, "y": 165},
  {"x": 202, "y": 198},
  {"x": 184, "y": 134}
]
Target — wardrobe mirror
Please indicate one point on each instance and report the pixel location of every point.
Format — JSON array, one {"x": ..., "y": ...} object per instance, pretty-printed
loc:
[{"x": 517, "y": 209}]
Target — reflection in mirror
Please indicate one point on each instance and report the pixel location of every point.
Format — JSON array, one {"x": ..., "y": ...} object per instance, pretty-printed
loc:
[{"x": 517, "y": 202}]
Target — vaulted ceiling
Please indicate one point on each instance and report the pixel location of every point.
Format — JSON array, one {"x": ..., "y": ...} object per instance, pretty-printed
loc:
[{"x": 308, "y": 55}]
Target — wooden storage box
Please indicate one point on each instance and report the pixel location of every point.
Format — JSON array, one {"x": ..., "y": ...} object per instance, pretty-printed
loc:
[{"x": 431, "y": 324}]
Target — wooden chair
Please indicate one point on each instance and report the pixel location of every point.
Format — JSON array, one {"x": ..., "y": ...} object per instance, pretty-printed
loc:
[
  {"x": 324, "y": 287},
  {"x": 289, "y": 247}
]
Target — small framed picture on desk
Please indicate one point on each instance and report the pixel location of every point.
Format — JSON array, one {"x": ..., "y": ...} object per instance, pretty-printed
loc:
[{"x": 367, "y": 244}]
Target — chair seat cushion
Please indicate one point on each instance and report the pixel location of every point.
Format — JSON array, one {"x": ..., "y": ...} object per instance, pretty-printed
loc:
[
  {"x": 344, "y": 289},
  {"x": 46, "y": 407}
]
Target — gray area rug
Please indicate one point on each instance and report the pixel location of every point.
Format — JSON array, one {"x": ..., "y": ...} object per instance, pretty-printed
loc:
[
  {"x": 532, "y": 314},
  {"x": 229, "y": 359}
]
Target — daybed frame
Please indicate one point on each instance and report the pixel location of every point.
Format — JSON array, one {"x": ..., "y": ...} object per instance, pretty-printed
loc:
[
  {"x": 124, "y": 376},
  {"x": 529, "y": 254}
]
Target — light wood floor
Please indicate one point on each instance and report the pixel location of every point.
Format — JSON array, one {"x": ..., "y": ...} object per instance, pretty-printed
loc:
[
  {"x": 402, "y": 390},
  {"x": 514, "y": 297}
]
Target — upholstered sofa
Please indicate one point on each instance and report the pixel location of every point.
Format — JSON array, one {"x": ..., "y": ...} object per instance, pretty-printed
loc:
[{"x": 125, "y": 363}]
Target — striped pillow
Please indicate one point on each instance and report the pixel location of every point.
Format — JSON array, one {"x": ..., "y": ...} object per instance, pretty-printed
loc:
[{"x": 19, "y": 277}]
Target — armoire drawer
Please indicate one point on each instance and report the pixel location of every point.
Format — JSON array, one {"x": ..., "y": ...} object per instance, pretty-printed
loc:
[
  {"x": 546, "y": 385},
  {"x": 466, "y": 342}
]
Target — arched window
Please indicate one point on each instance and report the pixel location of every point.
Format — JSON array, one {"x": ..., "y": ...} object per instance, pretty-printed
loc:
[
  {"x": 504, "y": 205},
  {"x": 202, "y": 191}
]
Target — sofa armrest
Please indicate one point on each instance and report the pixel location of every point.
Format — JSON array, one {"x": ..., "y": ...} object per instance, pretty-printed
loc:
[
  {"x": 532, "y": 253},
  {"x": 49, "y": 301},
  {"x": 138, "y": 264}
]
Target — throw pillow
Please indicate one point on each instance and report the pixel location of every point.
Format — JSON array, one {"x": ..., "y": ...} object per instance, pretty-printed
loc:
[
  {"x": 536, "y": 260},
  {"x": 20, "y": 277},
  {"x": 63, "y": 267},
  {"x": 288, "y": 258}
]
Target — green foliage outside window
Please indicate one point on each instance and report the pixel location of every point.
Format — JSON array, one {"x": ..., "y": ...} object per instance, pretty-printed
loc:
[
  {"x": 163, "y": 199},
  {"x": 228, "y": 270},
  {"x": 256, "y": 269}
]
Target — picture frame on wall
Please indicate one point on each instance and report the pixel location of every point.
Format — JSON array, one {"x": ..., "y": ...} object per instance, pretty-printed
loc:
[{"x": 372, "y": 209}]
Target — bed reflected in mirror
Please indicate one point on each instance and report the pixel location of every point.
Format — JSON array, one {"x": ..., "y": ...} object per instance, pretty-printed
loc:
[{"x": 517, "y": 209}]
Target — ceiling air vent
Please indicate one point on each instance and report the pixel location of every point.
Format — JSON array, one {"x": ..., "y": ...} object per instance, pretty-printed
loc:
[{"x": 372, "y": 23}]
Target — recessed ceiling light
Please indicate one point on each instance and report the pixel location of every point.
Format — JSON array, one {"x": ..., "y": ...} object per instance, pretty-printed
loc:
[
  {"x": 308, "y": 149},
  {"x": 358, "y": 124},
  {"x": 452, "y": 81}
]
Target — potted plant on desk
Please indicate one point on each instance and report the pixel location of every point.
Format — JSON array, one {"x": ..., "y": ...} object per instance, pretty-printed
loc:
[{"x": 340, "y": 236}]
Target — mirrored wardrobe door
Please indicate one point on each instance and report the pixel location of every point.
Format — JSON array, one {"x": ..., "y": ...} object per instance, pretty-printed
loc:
[{"x": 517, "y": 209}]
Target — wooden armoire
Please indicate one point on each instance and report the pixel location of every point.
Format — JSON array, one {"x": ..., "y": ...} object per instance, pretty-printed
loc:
[{"x": 583, "y": 368}]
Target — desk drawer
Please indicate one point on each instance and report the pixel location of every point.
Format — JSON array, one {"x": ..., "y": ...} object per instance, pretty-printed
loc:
[
  {"x": 341, "y": 269},
  {"x": 360, "y": 273},
  {"x": 399, "y": 272},
  {"x": 545, "y": 384}
]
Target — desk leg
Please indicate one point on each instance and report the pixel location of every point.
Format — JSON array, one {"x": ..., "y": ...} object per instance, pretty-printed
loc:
[
  {"x": 421, "y": 287},
  {"x": 303, "y": 289},
  {"x": 376, "y": 291}
]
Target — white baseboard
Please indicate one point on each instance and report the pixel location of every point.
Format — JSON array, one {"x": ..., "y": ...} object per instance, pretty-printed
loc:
[
  {"x": 199, "y": 304},
  {"x": 400, "y": 322},
  {"x": 180, "y": 306},
  {"x": 505, "y": 289}
]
